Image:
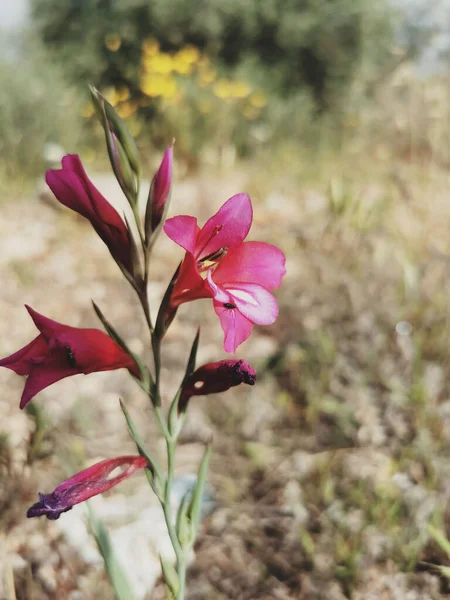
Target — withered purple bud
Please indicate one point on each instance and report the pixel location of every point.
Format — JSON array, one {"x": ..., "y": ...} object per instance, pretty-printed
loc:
[
  {"x": 86, "y": 484},
  {"x": 216, "y": 377}
]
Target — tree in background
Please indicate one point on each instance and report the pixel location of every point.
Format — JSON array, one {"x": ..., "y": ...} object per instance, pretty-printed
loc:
[{"x": 319, "y": 45}]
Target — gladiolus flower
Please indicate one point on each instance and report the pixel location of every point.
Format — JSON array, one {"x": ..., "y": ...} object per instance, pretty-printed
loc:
[
  {"x": 60, "y": 351},
  {"x": 214, "y": 378},
  {"x": 238, "y": 275},
  {"x": 159, "y": 193},
  {"x": 73, "y": 188},
  {"x": 86, "y": 484}
]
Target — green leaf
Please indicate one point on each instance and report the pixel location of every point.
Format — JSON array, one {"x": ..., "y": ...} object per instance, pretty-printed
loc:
[
  {"x": 440, "y": 538},
  {"x": 183, "y": 522},
  {"x": 112, "y": 122},
  {"x": 117, "y": 575},
  {"x": 170, "y": 578},
  {"x": 110, "y": 329},
  {"x": 134, "y": 252},
  {"x": 146, "y": 383},
  {"x": 155, "y": 477},
  {"x": 195, "y": 504},
  {"x": 175, "y": 419},
  {"x": 190, "y": 368},
  {"x": 164, "y": 318}
]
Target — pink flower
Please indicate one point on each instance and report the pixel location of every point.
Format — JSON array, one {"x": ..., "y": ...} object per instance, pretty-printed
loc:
[
  {"x": 60, "y": 351},
  {"x": 85, "y": 484},
  {"x": 159, "y": 193},
  {"x": 73, "y": 188},
  {"x": 238, "y": 275},
  {"x": 214, "y": 378}
]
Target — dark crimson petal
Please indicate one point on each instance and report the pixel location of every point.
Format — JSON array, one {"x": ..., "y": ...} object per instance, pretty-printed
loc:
[
  {"x": 213, "y": 378},
  {"x": 21, "y": 361},
  {"x": 42, "y": 376}
]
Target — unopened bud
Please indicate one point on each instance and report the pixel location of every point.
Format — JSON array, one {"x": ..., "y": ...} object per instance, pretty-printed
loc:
[
  {"x": 214, "y": 378},
  {"x": 158, "y": 198},
  {"x": 122, "y": 149}
]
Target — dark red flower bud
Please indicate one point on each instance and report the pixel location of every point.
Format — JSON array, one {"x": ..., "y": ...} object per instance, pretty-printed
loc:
[
  {"x": 86, "y": 484},
  {"x": 73, "y": 188},
  {"x": 159, "y": 194},
  {"x": 61, "y": 351},
  {"x": 216, "y": 377}
]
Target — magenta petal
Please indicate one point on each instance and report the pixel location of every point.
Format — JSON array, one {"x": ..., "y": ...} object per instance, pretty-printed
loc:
[
  {"x": 20, "y": 361},
  {"x": 73, "y": 188},
  {"x": 227, "y": 228},
  {"x": 161, "y": 188},
  {"x": 183, "y": 231},
  {"x": 236, "y": 327},
  {"x": 69, "y": 190},
  {"x": 255, "y": 302},
  {"x": 40, "y": 377},
  {"x": 218, "y": 292},
  {"x": 98, "y": 203},
  {"x": 46, "y": 326},
  {"x": 252, "y": 262},
  {"x": 189, "y": 285}
]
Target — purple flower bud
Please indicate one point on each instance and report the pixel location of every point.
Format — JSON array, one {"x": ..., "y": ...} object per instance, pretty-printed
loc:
[
  {"x": 216, "y": 377},
  {"x": 159, "y": 193},
  {"x": 86, "y": 484}
]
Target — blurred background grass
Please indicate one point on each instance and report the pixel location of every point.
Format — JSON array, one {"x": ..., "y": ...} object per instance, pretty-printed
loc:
[{"x": 334, "y": 115}]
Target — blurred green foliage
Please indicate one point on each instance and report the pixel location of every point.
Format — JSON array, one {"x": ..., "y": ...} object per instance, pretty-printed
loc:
[
  {"x": 320, "y": 44},
  {"x": 36, "y": 109}
]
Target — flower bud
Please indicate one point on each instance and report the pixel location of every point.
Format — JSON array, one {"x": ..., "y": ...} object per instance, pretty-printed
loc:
[
  {"x": 84, "y": 485},
  {"x": 122, "y": 150},
  {"x": 159, "y": 194},
  {"x": 213, "y": 378}
]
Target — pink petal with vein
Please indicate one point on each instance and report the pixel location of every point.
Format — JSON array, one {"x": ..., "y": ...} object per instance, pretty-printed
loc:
[
  {"x": 254, "y": 302},
  {"x": 252, "y": 262},
  {"x": 236, "y": 327},
  {"x": 183, "y": 231},
  {"x": 227, "y": 228}
]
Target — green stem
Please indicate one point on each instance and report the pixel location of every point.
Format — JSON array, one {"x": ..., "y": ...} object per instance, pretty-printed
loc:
[{"x": 171, "y": 442}]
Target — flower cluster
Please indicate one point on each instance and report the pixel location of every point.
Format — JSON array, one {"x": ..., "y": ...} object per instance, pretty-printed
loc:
[{"x": 218, "y": 265}]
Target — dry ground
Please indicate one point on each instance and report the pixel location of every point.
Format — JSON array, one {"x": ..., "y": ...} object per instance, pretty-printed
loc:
[{"x": 328, "y": 473}]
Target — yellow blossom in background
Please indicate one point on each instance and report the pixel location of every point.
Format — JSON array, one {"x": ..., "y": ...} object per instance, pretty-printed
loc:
[
  {"x": 110, "y": 94},
  {"x": 150, "y": 47},
  {"x": 258, "y": 99},
  {"x": 122, "y": 93},
  {"x": 161, "y": 63},
  {"x": 189, "y": 54},
  {"x": 222, "y": 89},
  {"x": 241, "y": 89},
  {"x": 181, "y": 65},
  {"x": 112, "y": 41},
  {"x": 158, "y": 85},
  {"x": 126, "y": 109}
]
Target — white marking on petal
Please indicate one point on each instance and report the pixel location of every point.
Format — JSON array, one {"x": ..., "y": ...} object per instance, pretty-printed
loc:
[{"x": 245, "y": 296}]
